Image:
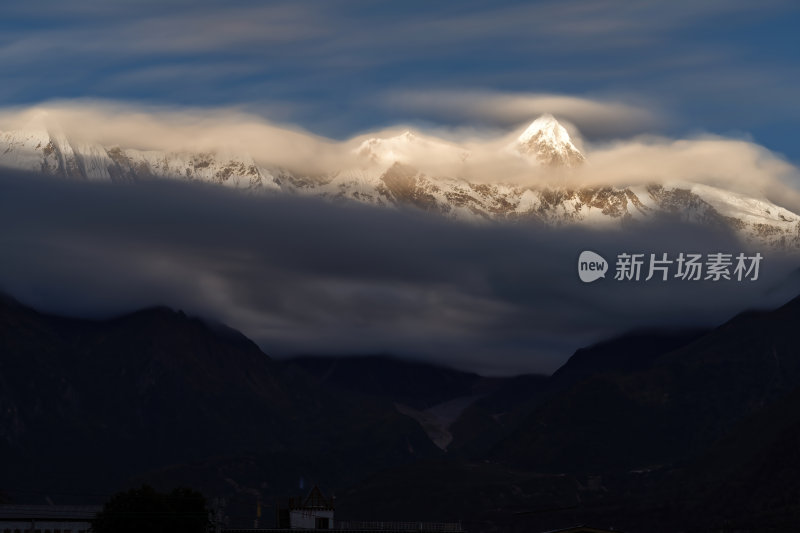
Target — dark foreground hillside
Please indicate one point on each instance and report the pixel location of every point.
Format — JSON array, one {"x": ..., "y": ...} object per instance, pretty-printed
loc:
[{"x": 654, "y": 431}]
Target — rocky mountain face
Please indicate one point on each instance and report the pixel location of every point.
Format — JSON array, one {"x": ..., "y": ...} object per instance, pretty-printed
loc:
[{"x": 386, "y": 176}]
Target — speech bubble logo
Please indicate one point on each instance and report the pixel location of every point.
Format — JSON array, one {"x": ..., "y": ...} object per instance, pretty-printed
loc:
[{"x": 591, "y": 266}]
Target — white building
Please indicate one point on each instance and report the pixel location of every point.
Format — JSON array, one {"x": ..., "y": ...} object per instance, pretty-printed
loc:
[
  {"x": 315, "y": 511},
  {"x": 47, "y": 518}
]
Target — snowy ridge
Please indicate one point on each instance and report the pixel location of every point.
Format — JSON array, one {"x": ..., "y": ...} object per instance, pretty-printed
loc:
[
  {"x": 384, "y": 175},
  {"x": 54, "y": 154},
  {"x": 28, "y": 150},
  {"x": 407, "y": 148}
]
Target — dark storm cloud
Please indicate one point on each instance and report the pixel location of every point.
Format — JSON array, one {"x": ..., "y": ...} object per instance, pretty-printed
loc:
[{"x": 303, "y": 275}]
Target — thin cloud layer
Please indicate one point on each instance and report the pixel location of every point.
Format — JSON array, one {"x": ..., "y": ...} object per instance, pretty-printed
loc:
[
  {"x": 595, "y": 118},
  {"x": 719, "y": 65},
  {"x": 731, "y": 164},
  {"x": 300, "y": 275},
  {"x": 176, "y": 129}
]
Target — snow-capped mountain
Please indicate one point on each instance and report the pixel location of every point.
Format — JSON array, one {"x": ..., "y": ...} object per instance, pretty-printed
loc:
[
  {"x": 384, "y": 173},
  {"x": 549, "y": 143},
  {"x": 53, "y": 154}
]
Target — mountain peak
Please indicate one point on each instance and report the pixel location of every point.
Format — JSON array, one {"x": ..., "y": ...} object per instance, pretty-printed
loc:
[
  {"x": 549, "y": 142},
  {"x": 408, "y": 147},
  {"x": 546, "y": 123}
]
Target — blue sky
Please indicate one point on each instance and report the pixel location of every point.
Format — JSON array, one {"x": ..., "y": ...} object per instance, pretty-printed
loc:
[{"x": 340, "y": 67}]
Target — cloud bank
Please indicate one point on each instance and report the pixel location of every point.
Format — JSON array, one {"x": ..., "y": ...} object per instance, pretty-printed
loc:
[{"x": 300, "y": 275}]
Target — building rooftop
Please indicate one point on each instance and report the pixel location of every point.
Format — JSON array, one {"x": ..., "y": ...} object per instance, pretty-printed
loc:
[{"x": 49, "y": 512}]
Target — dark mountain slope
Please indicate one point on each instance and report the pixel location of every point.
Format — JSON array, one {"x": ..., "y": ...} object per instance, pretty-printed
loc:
[
  {"x": 416, "y": 384},
  {"x": 496, "y": 415},
  {"x": 668, "y": 412},
  {"x": 87, "y": 405}
]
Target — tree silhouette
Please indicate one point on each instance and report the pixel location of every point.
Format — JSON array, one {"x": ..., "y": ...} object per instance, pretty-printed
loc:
[{"x": 144, "y": 509}]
